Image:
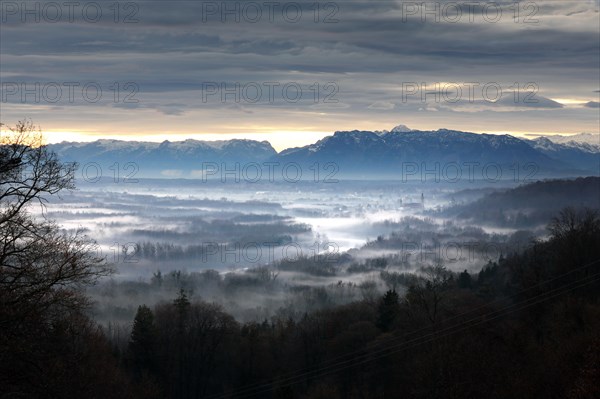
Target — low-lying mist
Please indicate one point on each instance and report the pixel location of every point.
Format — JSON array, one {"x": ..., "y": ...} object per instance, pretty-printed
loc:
[{"x": 286, "y": 250}]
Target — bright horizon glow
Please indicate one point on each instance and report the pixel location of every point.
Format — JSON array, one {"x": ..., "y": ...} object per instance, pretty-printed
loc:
[{"x": 280, "y": 140}]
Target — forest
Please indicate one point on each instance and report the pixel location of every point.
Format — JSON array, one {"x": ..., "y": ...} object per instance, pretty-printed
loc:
[{"x": 526, "y": 325}]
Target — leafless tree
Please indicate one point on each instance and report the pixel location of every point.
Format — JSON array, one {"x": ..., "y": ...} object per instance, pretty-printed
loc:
[
  {"x": 427, "y": 293},
  {"x": 41, "y": 268}
]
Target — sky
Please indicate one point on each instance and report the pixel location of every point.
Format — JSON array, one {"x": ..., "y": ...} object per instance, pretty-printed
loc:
[{"x": 292, "y": 72}]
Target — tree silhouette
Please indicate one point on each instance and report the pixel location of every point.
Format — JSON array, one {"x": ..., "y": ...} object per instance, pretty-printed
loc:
[
  {"x": 464, "y": 280},
  {"x": 44, "y": 333},
  {"x": 388, "y": 310},
  {"x": 142, "y": 345}
]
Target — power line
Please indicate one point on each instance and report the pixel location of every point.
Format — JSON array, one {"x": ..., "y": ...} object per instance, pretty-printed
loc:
[{"x": 329, "y": 369}]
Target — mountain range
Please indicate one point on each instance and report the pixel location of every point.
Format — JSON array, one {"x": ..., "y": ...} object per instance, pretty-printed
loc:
[{"x": 356, "y": 153}]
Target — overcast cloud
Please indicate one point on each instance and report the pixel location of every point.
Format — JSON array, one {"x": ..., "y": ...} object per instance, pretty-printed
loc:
[{"x": 361, "y": 64}]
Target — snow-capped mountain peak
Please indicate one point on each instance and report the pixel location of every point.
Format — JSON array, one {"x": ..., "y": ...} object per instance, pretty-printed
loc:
[{"x": 401, "y": 129}]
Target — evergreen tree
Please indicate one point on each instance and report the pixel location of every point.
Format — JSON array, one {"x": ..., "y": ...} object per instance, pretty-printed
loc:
[
  {"x": 388, "y": 310},
  {"x": 142, "y": 344},
  {"x": 464, "y": 280}
]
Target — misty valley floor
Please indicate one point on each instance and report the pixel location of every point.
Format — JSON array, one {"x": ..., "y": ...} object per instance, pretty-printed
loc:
[{"x": 350, "y": 240}]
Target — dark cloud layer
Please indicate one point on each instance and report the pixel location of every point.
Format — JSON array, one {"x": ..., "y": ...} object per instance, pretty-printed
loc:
[{"x": 171, "y": 49}]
